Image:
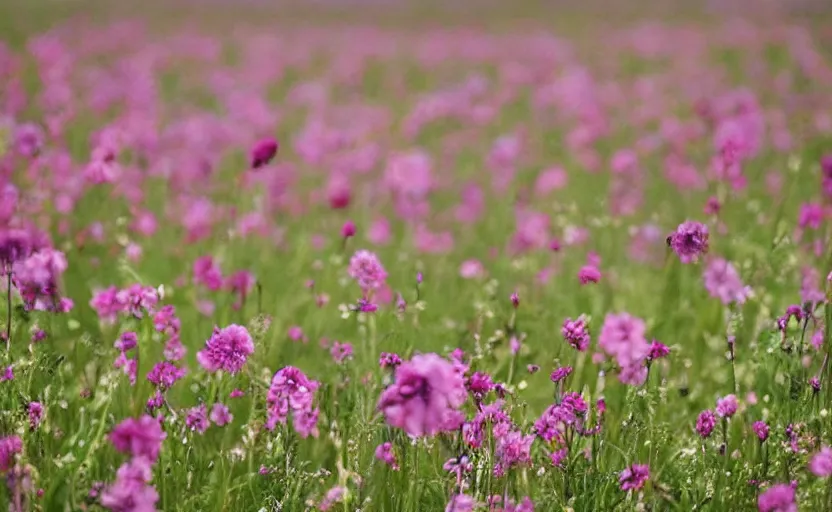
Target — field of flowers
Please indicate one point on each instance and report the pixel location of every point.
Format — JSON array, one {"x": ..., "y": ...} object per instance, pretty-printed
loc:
[{"x": 355, "y": 267}]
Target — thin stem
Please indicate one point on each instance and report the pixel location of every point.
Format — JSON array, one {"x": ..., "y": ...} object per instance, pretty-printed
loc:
[{"x": 9, "y": 309}]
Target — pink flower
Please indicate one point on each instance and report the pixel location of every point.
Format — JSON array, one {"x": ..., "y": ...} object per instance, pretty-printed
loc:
[
  {"x": 220, "y": 415},
  {"x": 705, "y": 423},
  {"x": 723, "y": 282},
  {"x": 576, "y": 333},
  {"x": 333, "y": 496},
  {"x": 131, "y": 492},
  {"x": 512, "y": 449},
  {"x": 727, "y": 406},
  {"x": 35, "y": 414},
  {"x": 366, "y": 269},
  {"x": 777, "y": 498},
  {"x": 461, "y": 503},
  {"x": 689, "y": 241},
  {"x": 196, "y": 419},
  {"x": 384, "y": 453},
  {"x": 263, "y": 152},
  {"x": 227, "y": 350},
  {"x": 140, "y": 437},
  {"x": 340, "y": 351},
  {"x": 9, "y": 447},
  {"x": 589, "y": 274},
  {"x": 634, "y": 477},
  {"x": 821, "y": 463},
  {"x": 425, "y": 397},
  {"x": 207, "y": 273},
  {"x": 291, "y": 391},
  {"x": 622, "y": 337},
  {"x": 471, "y": 269}
]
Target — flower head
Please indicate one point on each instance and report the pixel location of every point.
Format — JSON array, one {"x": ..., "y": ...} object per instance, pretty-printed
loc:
[
  {"x": 705, "y": 423},
  {"x": 821, "y": 463},
  {"x": 367, "y": 271},
  {"x": 727, "y": 406},
  {"x": 227, "y": 349},
  {"x": 140, "y": 437},
  {"x": 777, "y": 498},
  {"x": 634, "y": 477},
  {"x": 263, "y": 152},
  {"x": 689, "y": 241}
]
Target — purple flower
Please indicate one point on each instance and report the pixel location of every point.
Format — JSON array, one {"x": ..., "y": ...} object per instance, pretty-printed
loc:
[
  {"x": 333, "y": 496},
  {"x": 341, "y": 351},
  {"x": 821, "y": 463},
  {"x": 292, "y": 391},
  {"x": 480, "y": 384},
  {"x": 560, "y": 374},
  {"x": 658, "y": 350},
  {"x": 761, "y": 429},
  {"x": 207, "y": 273},
  {"x": 727, "y": 406},
  {"x": 558, "y": 456},
  {"x": 164, "y": 375},
  {"x": 127, "y": 341},
  {"x": 8, "y": 374},
  {"x": 512, "y": 449},
  {"x": 622, "y": 337},
  {"x": 515, "y": 300},
  {"x": 140, "y": 437},
  {"x": 348, "y": 229},
  {"x": 461, "y": 503},
  {"x": 165, "y": 320},
  {"x": 220, "y": 415},
  {"x": 384, "y": 453},
  {"x": 131, "y": 492},
  {"x": 589, "y": 274},
  {"x": 425, "y": 397},
  {"x": 389, "y": 361},
  {"x": 689, "y": 241},
  {"x": 197, "y": 419},
  {"x": 226, "y": 350},
  {"x": 28, "y": 139},
  {"x": 263, "y": 152},
  {"x": 9, "y": 447},
  {"x": 777, "y": 498},
  {"x": 15, "y": 245},
  {"x": 35, "y": 414},
  {"x": 705, "y": 423},
  {"x": 367, "y": 271},
  {"x": 634, "y": 477},
  {"x": 576, "y": 333},
  {"x": 723, "y": 282}
]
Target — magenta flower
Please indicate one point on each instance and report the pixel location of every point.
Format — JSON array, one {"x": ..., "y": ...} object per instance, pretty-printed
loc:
[
  {"x": 367, "y": 271},
  {"x": 576, "y": 333},
  {"x": 622, "y": 337},
  {"x": 705, "y": 423},
  {"x": 35, "y": 410},
  {"x": 634, "y": 477},
  {"x": 227, "y": 350},
  {"x": 723, "y": 282},
  {"x": 389, "y": 361},
  {"x": 196, "y": 419},
  {"x": 821, "y": 463},
  {"x": 589, "y": 274},
  {"x": 208, "y": 273},
  {"x": 777, "y": 498},
  {"x": 425, "y": 397},
  {"x": 333, "y": 496},
  {"x": 220, "y": 415},
  {"x": 480, "y": 384},
  {"x": 761, "y": 429},
  {"x": 689, "y": 241},
  {"x": 658, "y": 350},
  {"x": 164, "y": 375},
  {"x": 727, "y": 406},
  {"x": 341, "y": 351},
  {"x": 127, "y": 341},
  {"x": 8, "y": 374},
  {"x": 291, "y": 391},
  {"x": 461, "y": 503},
  {"x": 560, "y": 374},
  {"x": 263, "y": 152},
  {"x": 9, "y": 447},
  {"x": 140, "y": 437},
  {"x": 384, "y": 453},
  {"x": 512, "y": 449},
  {"x": 131, "y": 492},
  {"x": 348, "y": 229}
]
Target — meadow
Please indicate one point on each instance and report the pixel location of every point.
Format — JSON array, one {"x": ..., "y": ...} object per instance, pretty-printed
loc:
[{"x": 369, "y": 267}]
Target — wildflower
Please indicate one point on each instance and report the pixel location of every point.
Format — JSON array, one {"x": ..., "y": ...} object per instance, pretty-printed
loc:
[
  {"x": 622, "y": 337},
  {"x": 815, "y": 383},
  {"x": 705, "y": 423},
  {"x": 155, "y": 402},
  {"x": 127, "y": 341},
  {"x": 220, "y": 415},
  {"x": 589, "y": 274},
  {"x": 761, "y": 429},
  {"x": 689, "y": 241},
  {"x": 425, "y": 396},
  {"x": 9, "y": 447},
  {"x": 532, "y": 368},
  {"x": 571, "y": 412},
  {"x": 367, "y": 271},
  {"x": 332, "y": 496},
  {"x": 723, "y": 282},
  {"x": 207, "y": 273},
  {"x": 240, "y": 283},
  {"x": 384, "y": 453},
  {"x": 513, "y": 449},
  {"x": 292, "y": 391},
  {"x": 515, "y": 300},
  {"x": 726, "y": 406},
  {"x": 236, "y": 393},
  {"x": 471, "y": 269},
  {"x": 389, "y": 361},
  {"x": 576, "y": 333},
  {"x": 821, "y": 463},
  {"x": 263, "y": 152},
  {"x": 140, "y": 437},
  {"x": 8, "y": 374},
  {"x": 341, "y": 351},
  {"x": 366, "y": 306},
  {"x": 480, "y": 384},
  {"x": 658, "y": 350},
  {"x": 196, "y": 419},
  {"x": 461, "y": 503},
  {"x": 174, "y": 349},
  {"x": 634, "y": 477},
  {"x": 35, "y": 410},
  {"x": 165, "y": 374},
  {"x": 348, "y": 229},
  {"x": 777, "y": 498},
  {"x": 165, "y": 320},
  {"x": 560, "y": 374},
  {"x": 131, "y": 492},
  {"x": 226, "y": 350},
  {"x": 558, "y": 456},
  {"x": 28, "y": 139}
]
